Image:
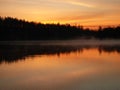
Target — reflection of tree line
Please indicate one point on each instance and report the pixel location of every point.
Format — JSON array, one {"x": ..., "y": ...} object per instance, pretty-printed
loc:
[
  {"x": 12, "y": 53},
  {"x": 109, "y": 49},
  {"x": 14, "y": 29}
]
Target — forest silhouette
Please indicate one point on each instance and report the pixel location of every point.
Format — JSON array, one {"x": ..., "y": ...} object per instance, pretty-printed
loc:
[{"x": 17, "y": 29}]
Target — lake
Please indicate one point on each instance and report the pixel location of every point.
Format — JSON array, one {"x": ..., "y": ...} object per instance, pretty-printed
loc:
[{"x": 60, "y": 65}]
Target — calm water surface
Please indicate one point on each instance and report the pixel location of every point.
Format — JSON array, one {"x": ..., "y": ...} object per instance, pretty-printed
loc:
[{"x": 60, "y": 67}]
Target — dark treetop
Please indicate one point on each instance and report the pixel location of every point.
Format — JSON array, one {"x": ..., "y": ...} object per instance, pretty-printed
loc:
[{"x": 15, "y": 29}]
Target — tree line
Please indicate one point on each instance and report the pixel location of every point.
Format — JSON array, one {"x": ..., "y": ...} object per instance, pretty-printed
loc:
[{"x": 17, "y": 29}]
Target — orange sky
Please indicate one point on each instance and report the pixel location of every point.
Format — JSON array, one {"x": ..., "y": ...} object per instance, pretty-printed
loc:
[{"x": 75, "y": 12}]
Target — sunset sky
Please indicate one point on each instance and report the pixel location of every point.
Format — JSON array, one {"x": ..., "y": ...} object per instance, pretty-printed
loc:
[{"x": 76, "y": 12}]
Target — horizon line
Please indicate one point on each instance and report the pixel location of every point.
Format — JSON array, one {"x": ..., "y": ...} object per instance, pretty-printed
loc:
[{"x": 74, "y": 24}]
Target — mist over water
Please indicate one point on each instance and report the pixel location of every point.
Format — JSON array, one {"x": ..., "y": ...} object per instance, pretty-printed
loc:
[
  {"x": 60, "y": 65},
  {"x": 71, "y": 42}
]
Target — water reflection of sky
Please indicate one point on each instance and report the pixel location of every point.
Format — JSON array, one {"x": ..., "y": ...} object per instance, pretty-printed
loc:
[{"x": 81, "y": 68}]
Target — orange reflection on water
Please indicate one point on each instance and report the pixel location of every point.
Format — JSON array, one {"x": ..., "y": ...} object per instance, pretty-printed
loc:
[{"x": 64, "y": 71}]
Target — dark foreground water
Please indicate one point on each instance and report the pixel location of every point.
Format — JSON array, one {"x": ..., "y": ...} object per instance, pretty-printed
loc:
[{"x": 60, "y": 65}]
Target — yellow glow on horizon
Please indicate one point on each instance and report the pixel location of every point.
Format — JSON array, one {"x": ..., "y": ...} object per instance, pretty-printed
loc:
[{"x": 74, "y": 12}]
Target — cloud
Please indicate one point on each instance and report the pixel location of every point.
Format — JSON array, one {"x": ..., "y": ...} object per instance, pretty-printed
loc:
[
  {"x": 62, "y": 10},
  {"x": 74, "y": 2},
  {"x": 80, "y": 4}
]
